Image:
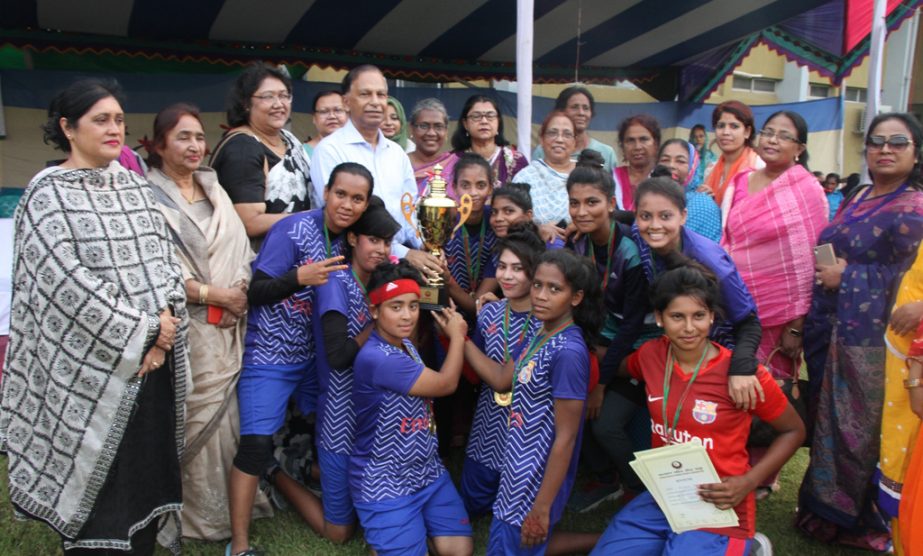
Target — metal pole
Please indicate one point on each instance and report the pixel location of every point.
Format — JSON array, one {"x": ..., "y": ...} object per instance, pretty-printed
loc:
[{"x": 524, "y": 31}]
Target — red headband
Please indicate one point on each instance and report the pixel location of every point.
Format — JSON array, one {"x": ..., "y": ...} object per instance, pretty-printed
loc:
[{"x": 392, "y": 289}]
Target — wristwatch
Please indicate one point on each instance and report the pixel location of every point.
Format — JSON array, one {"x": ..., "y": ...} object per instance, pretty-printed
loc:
[{"x": 913, "y": 382}]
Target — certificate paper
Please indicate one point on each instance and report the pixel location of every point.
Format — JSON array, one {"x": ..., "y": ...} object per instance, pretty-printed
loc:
[{"x": 672, "y": 474}]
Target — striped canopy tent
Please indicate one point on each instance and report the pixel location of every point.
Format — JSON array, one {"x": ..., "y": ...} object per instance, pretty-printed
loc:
[{"x": 673, "y": 49}]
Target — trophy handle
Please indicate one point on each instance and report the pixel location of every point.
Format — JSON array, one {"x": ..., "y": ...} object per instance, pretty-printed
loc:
[
  {"x": 407, "y": 209},
  {"x": 464, "y": 211}
]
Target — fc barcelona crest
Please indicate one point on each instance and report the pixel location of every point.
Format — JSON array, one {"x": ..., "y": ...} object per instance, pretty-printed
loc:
[{"x": 705, "y": 412}]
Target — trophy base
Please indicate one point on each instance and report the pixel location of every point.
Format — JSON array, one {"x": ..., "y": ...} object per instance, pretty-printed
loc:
[{"x": 434, "y": 298}]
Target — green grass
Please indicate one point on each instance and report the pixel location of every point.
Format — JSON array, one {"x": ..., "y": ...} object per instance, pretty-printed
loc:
[{"x": 285, "y": 535}]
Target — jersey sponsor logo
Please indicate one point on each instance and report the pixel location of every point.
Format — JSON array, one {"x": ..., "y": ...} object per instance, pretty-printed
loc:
[
  {"x": 295, "y": 306},
  {"x": 516, "y": 419},
  {"x": 681, "y": 436},
  {"x": 705, "y": 412},
  {"x": 414, "y": 424},
  {"x": 525, "y": 375}
]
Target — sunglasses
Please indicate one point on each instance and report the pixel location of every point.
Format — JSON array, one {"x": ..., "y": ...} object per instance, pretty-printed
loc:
[{"x": 896, "y": 142}]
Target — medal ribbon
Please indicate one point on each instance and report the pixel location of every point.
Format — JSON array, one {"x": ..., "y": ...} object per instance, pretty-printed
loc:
[
  {"x": 474, "y": 269},
  {"x": 537, "y": 343},
  {"x": 327, "y": 239},
  {"x": 609, "y": 248},
  {"x": 506, "y": 331},
  {"x": 667, "y": 376}
]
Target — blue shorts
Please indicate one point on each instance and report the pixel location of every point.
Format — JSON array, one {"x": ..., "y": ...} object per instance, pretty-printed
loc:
[
  {"x": 507, "y": 539},
  {"x": 641, "y": 529},
  {"x": 401, "y": 526},
  {"x": 334, "y": 483},
  {"x": 478, "y": 487},
  {"x": 308, "y": 390},
  {"x": 263, "y": 392}
]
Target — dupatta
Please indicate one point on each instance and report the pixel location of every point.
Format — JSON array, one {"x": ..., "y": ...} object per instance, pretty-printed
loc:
[{"x": 770, "y": 235}]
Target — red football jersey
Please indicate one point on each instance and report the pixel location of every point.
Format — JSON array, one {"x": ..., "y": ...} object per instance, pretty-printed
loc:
[{"x": 708, "y": 416}]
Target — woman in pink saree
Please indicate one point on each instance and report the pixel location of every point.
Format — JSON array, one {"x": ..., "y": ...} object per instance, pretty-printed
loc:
[{"x": 776, "y": 215}]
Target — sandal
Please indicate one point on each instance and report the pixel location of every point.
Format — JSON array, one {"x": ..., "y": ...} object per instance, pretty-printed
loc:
[{"x": 249, "y": 552}]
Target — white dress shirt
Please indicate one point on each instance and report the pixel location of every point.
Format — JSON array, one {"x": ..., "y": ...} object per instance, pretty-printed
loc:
[{"x": 389, "y": 165}]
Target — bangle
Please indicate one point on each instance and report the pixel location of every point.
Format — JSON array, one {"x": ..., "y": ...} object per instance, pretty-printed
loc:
[
  {"x": 795, "y": 332},
  {"x": 913, "y": 383},
  {"x": 203, "y": 294}
]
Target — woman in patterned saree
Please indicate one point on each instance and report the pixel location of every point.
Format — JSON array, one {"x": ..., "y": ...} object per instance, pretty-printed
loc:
[
  {"x": 875, "y": 236},
  {"x": 94, "y": 389}
]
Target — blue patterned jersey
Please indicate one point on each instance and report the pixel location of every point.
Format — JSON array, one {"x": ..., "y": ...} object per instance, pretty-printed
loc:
[
  {"x": 336, "y": 420},
  {"x": 487, "y": 441},
  {"x": 463, "y": 264},
  {"x": 280, "y": 334},
  {"x": 394, "y": 453},
  {"x": 559, "y": 370}
]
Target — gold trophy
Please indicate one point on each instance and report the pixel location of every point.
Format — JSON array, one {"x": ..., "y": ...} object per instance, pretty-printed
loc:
[{"x": 435, "y": 213}]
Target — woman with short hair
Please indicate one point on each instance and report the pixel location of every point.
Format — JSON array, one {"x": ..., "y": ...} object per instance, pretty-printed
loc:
[
  {"x": 429, "y": 124},
  {"x": 480, "y": 131},
  {"x": 262, "y": 165}
]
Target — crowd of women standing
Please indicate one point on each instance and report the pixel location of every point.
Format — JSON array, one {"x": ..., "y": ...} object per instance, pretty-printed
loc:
[{"x": 174, "y": 332}]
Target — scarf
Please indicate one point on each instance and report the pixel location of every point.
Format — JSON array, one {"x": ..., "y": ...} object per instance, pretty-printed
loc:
[{"x": 746, "y": 161}]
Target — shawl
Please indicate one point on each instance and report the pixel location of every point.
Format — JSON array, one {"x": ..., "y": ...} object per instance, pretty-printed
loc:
[
  {"x": 424, "y": 172},
  {"x": 93, "y": 269},
  {"x": 548, "y": 189},
  {"x": 771, "y": 235},
  {"x": 703, "y": 214},
  {"x": 748, "y": 160},
  {"x": 215, "y": 252}
]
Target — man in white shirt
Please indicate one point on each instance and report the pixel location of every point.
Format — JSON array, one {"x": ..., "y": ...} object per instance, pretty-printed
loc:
[{"x": 365, "y": 92}]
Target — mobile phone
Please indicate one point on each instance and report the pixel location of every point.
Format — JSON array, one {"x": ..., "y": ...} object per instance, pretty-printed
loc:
[
  {"x": 214, "y": 314},
  {"x": 824, "y": 254}
]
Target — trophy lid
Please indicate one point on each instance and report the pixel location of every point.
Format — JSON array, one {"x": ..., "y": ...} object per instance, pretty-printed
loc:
[{"x": 437, "y": 183}]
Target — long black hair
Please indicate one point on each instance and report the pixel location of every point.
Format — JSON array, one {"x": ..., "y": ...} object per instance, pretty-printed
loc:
[
  {"x": 523, "y": 240},
  {"x": 590, "y": 170},
  {"x": 518, "y": 193},
  {"x": 580, "y": 274}
]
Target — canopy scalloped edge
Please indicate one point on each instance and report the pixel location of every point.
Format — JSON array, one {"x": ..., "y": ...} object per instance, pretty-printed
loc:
[
  {"x": 239, "y": 54},
  {"x": 836, "y": 68}
]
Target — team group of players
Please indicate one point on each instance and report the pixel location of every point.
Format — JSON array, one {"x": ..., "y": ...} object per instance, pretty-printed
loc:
[{"x": 531, "y": 348}]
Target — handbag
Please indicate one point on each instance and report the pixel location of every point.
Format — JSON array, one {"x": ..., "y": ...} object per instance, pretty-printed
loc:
[{"x": 761, "y": 433}]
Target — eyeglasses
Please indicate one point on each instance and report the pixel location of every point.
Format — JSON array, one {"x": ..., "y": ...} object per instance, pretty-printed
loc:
[
  {"x": 478, "y": 116},
  {"x": 555, "y": 133},
  {"x": 896, "y": 142},
  {"x": 272, "y": 98},
  {"x": 425, "y": 127},
  {"x": 328, "y": 111},
  {"x": 781, "y": 136}
]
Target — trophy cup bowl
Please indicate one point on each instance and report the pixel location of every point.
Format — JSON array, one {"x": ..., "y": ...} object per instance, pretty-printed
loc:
[{"x": 435, "y": 213}]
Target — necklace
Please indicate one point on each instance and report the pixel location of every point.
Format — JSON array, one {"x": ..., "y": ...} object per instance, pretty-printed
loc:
[
  {"x": 667, "y": 378},
  {"x": 525, "y": 360},
  {"x": 504, "y": 399},
  {"x": 263, "y": 138}
]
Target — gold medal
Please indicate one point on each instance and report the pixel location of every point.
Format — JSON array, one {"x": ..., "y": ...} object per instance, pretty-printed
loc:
[{"x": 503, "y": 399}]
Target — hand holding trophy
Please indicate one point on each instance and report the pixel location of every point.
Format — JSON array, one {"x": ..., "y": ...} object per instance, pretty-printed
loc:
[{"x": 435, "y": 213}]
